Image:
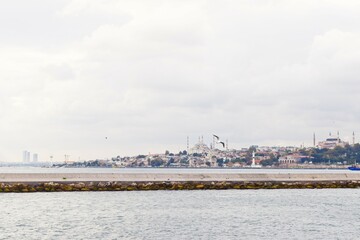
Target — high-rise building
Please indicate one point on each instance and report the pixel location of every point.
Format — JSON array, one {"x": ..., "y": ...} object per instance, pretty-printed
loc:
[
  {"x": 35, "y": 157},
  {"x": 26, "y": 156}
]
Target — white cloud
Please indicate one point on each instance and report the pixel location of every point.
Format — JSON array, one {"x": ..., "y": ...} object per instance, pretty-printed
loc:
[{"x": 148, "y": 73}]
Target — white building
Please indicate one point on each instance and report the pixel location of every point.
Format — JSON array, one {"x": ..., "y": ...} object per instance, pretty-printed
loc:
[
  {"x": 200, "y": 148},
  {"x": 290, "y": 159},
  {"x": 26, "y": 156},
  {"x": 35, "y": 157}
]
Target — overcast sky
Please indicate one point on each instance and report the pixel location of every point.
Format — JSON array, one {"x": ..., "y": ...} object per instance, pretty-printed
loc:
[{"x": 146, "y": 74}]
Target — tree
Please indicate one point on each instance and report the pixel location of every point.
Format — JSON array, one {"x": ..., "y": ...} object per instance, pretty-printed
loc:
[
  {"x": 157, "y": 162},
  {"x": 220, "y": 162},
  {"x": 171, "y": 160}
]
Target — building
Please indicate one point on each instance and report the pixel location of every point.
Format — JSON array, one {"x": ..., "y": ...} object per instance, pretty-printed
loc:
[
  {"x": 290, "y": 159},
  {"x": 26, "y": 156},
  {"x": 200, "y": 148},
  {"x": 35, "y": 157},
  {"x": 294, "y": 158},
  {"x": 332, "y": 142}
]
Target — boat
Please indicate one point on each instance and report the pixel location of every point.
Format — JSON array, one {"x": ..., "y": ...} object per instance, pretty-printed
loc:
[{"x": 354, "y": 168}]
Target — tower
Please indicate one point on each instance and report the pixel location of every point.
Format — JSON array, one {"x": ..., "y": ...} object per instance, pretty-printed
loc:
[
  {"x": 314, "y": 140},
  {"x": 353, "y": 138},
  {"x": 25, "y": 156},
  {"x": 187, "y": 144},
  {"x": 253, "y": 159},
  {"x": 35, "y": 157},
  {"x": 227, "y": 145}
]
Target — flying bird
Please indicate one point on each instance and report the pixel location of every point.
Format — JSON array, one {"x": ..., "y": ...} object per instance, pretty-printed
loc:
[
  {"x": 216, "y": 137},
  {"x": 222, "y": 144}
]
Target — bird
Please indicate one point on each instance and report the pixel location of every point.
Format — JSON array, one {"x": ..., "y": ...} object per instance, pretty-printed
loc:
[
  {"x": 216, "y": 137},
  {"x": 223, "y": 144}
]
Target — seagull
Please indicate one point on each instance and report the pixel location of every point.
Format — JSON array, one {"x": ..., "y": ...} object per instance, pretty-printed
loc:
[
  {"x": 222, "y": 144},
  {"x": 216, "y": 137}
]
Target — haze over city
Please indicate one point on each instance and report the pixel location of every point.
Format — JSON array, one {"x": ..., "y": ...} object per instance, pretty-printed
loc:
[{"x": 96, "y": 79}]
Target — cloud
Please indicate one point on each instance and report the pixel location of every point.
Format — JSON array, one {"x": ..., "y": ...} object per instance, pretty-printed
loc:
[
  {"x": 146, "y": 74},
  {"x": 59, "y": 72}
]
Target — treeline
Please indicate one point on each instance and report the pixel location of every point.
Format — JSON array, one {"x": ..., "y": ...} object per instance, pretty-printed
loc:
[{"x": 346, "y": 155}]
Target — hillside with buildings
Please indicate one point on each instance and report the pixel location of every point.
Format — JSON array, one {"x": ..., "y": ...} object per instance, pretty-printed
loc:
[{"x": 332, "y": 152}]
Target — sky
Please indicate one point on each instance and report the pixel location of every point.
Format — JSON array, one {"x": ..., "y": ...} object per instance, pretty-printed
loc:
[{"x": 102, "y": 78}]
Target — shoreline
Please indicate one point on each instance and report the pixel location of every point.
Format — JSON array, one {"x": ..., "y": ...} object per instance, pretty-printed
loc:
[{"x": 57, "y": 182}]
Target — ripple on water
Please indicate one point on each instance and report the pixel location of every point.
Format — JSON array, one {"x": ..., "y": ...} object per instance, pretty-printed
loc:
[{"x": 231, "y": 214}]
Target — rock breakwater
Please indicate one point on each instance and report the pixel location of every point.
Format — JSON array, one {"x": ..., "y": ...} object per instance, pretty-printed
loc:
[{"x": 146, "y": 186}]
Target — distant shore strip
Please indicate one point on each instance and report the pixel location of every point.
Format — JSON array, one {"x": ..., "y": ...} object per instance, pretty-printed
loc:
[{"x": 58, "y": 182}]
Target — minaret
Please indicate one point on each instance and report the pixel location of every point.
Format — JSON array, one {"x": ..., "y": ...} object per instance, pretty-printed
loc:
[
  {"x": 187, "y": 144},
  {"x": 338, "y": 136},
  {"x": 253, "y": 159},
  {"x": 314, "y": 140},
  {"x": 227, "y": 145},
  {"x": 353, "y": 138}
]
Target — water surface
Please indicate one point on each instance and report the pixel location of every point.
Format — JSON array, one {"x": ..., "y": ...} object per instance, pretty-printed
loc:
[{"x": 229, "y": 214}]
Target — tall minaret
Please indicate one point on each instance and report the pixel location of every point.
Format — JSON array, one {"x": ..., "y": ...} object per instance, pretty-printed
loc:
[
  {"x": 353, "y": 138},
  {"x": 314, "y": 140},
  {"x": 187, "y": 144},
  {"x": 227, "y": 145},
  {"x": 338, "y": 136},
  {"x": 253, "y": 159}
]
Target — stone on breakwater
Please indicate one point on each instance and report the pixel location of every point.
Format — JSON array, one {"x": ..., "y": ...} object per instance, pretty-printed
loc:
[{"x": 198, "y": 185}]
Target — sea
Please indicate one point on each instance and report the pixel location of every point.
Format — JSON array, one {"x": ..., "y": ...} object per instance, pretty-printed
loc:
[{"x": 202, "y": 214}]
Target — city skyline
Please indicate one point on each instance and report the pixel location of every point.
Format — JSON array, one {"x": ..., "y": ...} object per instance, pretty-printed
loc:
[
  {"x": 93, "y": 79},
  {"x": 209, "y": 142}
]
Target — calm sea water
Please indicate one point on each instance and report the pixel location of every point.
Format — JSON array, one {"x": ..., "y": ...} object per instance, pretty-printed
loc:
[{"x": 228, "y": 214}]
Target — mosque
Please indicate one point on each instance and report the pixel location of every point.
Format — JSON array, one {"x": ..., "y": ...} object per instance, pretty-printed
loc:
[
  {"x": 200, "y": 147},
  {"x": 332, "y": 142}
]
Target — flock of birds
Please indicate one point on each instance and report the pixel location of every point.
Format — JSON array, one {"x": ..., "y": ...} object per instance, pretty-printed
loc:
[{"x": 218, "y": 140}]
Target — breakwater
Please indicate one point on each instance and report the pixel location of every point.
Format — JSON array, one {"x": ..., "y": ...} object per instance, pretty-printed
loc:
[{"x": 53, "y": 182}]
